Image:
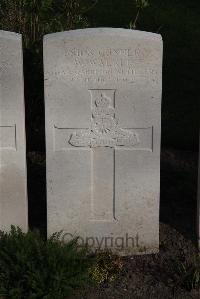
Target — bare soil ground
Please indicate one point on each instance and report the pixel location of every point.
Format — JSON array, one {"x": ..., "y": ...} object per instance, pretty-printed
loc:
[{"x": 151, "y": 276}]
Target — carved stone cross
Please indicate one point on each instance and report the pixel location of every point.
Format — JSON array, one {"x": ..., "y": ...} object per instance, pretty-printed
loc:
[{"x": 103, "y": 139}]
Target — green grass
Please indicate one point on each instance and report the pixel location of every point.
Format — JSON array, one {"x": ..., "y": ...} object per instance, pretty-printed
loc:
[
  {"x": 34, "y": 268},
  {"x": 187, "y": 273},
  {"x": 31, "y": 267},
  {"x": 107, "y": 267}
]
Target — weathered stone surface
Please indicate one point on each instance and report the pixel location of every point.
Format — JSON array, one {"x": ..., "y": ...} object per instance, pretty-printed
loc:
[
  {"x": 103, "y": 107},
  {"x": 198, "y": 203},
  {"x": 13, "y": 195}
]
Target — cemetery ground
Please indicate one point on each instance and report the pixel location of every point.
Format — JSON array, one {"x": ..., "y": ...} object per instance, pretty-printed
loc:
[{"x": 175, "y": 271}]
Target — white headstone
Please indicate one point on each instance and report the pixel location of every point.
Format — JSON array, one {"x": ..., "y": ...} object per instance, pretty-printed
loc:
[
  {"x": 103, "y": 108},
  {"x": 13, "y": 195},
  {"x": 198, "y": 204}
]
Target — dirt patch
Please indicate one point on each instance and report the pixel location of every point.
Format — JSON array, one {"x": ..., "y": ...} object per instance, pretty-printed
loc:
[{"x": 150, "y": 276}]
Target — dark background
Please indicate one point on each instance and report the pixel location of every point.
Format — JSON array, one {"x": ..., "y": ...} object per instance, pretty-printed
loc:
[{"x": 179, "y": 24}]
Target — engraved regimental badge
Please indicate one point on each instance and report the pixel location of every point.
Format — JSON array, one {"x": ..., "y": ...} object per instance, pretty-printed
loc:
[{"x": 104, "y": 130}]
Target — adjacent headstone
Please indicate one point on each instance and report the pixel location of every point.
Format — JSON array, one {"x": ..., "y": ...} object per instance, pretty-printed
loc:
[
  {"x": 198, "y": 204},
  {"x": 103, "y": 110},
  {"x": 13, "y": 195}
]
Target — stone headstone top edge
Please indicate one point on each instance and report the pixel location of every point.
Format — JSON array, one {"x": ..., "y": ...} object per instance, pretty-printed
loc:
[
  {"x": 105, "y": 31},
  {"x": 10, "y": 35}
]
